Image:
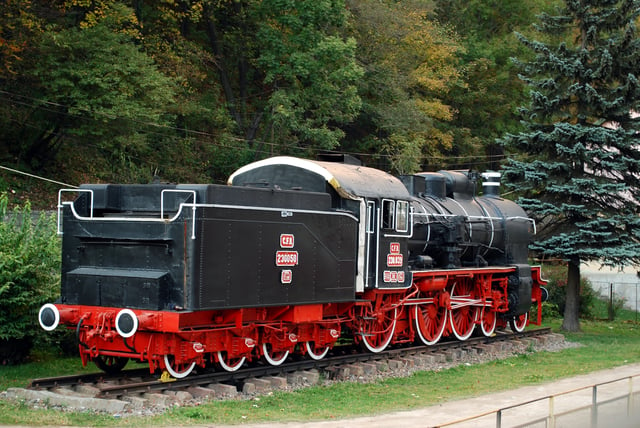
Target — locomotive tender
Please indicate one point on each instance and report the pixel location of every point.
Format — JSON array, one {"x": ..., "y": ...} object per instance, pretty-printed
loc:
[{"x": 291, "y": 256}]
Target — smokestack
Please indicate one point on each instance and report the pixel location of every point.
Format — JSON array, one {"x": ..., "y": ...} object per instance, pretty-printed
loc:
[{"x": 491, "y": 183}]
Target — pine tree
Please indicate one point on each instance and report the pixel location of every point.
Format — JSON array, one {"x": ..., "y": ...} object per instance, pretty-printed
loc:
[{"x": 579, "y": 171}]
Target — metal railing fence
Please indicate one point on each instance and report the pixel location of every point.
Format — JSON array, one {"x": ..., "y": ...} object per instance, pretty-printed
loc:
[{"x": 578, "y": 410}]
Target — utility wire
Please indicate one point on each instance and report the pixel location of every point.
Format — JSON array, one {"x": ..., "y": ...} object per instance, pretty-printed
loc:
[
  {"x": 15, "y": 171},
  {"x": 41, "y": 104}
]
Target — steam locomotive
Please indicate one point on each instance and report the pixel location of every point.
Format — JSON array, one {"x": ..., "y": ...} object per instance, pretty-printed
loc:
[{"x": 289, "y": 257}]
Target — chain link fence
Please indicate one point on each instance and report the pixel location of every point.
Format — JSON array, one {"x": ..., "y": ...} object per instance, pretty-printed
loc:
[
  {"x": 617, "y": 295},
  {"x": 619, "y": 288}
]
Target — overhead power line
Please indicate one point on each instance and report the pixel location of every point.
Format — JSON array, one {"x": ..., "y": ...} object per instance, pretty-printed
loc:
[
  {"x": 15, "y": 171},
  {"x": 155, "y": 128}
]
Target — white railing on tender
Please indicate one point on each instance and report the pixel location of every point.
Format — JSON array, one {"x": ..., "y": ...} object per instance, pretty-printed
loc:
[
  {"x": 130, "y": 219},
  {"x": 61, "y": 204},
  {"x": 193, "y": 207},
  {"x": 550, "y": 419}
]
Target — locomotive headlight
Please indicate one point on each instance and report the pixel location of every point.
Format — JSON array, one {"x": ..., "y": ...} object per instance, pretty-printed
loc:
[
  {"x": 126, "y": 323},
  {"x": 544, "y": 294},
  {"x": 49, "y": 317}
]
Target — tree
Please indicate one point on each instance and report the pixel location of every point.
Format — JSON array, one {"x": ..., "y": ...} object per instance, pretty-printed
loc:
[
  {"x": 102, "y": 89},
  {"x": 287, "y": 75},
  {"x": 187, "y": 88},
  {"x": 580, "y": 169},
  {"x": 85, "y": 89},
  {"x": 487, "y": 105},
  {"x": 18, "y": 24},
  {"x": 207, "y": 144},
  {"x": 19, "y": 28},
  {"x": 411, "y": 63}
]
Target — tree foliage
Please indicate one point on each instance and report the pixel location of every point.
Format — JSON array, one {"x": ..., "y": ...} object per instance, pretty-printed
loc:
[
  {"x": 29, "y": 273},
  {"x": 137, "y": 84},
  {"x": 411, "y": 64},
  {"x": 287, "y": 75},
  {"x": 310, "y": 69},
  {"x": 87, "y": 88},
  {"x": 121, "y": 90},
  {"x": 486, "y": 105},
  {"x": 101, "y": 88},
  {"x": 581, "y": 178},
  {"x": 18, "y": 24}
]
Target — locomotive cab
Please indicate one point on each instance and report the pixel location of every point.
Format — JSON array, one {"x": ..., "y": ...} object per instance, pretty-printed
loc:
[{"x": 388, "y": 228}]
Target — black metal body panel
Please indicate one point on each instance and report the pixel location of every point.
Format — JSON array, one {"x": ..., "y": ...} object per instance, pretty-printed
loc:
[
  {"x": 122, "y": 263},
  {"x": 392, "y": 270},
  {"x": 470, "y": 231},
  {"x": 269, "y": 198},
  {"x": 519, "y": 290},
  {"x": 117, "y": 287},
  {"x": 283, "y": 177},
  {"x": 238, "y": 257},
  {"x": 127, "y": 256},
  {"x": 350, "y": 181}
]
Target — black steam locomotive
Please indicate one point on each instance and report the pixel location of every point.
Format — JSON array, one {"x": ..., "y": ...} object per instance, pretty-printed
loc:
[{"x": 289, "y": 257}]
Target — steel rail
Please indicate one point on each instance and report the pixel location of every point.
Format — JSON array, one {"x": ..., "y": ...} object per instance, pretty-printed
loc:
[{"x": 124, "y": 383}]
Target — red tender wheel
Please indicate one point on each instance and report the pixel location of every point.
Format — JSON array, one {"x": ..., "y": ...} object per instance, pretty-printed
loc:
[{"x": 230, "y": 364}]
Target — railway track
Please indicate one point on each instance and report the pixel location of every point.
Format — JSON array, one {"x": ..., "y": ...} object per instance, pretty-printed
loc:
[{"x": 139, "y": 382}]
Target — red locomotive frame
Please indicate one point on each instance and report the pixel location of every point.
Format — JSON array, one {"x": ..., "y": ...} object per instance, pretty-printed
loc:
[{"x": 438, "y": 304}]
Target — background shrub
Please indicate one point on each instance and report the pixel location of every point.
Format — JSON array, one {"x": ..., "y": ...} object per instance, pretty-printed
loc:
[
  {"x": 29, "y": 276},
  {"x": 556, "y": 274}
]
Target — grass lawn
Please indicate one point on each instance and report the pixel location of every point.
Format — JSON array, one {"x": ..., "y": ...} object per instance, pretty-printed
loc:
[{"x": 605, "y": 344}]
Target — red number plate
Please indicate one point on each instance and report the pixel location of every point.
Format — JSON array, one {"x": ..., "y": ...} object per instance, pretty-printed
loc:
[
  {"x": 286, "y": 258},
  {"x": 394, "y": 260},
  {"x": 287, "y": 240}
]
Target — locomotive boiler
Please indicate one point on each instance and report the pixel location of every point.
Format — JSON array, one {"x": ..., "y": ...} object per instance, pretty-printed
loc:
[{"x": 289, "y": 257}]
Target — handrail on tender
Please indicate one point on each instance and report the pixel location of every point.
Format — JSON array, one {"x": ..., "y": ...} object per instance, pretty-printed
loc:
[
  {"x": 61, "y": 205},
  {"x": 136, "y": 219}
]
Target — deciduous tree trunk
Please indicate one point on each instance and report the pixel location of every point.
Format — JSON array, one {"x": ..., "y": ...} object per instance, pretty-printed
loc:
[{"x": 571, "y": 320}]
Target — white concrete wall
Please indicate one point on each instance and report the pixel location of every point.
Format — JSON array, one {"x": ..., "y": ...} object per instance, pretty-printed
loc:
[{"x": 626, "y": 283}]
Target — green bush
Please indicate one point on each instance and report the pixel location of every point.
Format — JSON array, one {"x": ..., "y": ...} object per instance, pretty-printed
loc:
[
  {"x": 29, "y": 276},
  {"x": 557, "y": 277}
]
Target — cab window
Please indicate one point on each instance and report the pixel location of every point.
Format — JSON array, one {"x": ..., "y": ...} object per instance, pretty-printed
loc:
[
  {"x": 371, "y": 219},
  {"x": 388, "y": 214},
  {"x": 402, "y": 216},
  {"x": 395, "y": 215}
]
